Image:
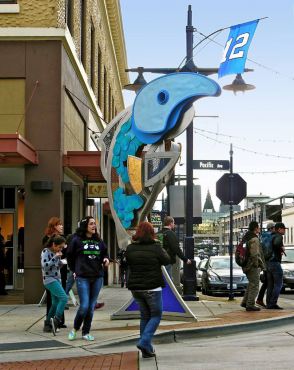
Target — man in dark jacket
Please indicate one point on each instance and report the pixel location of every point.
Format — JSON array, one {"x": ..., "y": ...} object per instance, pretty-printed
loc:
[
  {"x": 252, "y": 267},
  {"x": 171, "y": 244},
  {"x": 274, "y": 269}
]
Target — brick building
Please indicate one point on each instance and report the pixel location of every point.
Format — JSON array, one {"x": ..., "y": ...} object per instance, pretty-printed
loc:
[{"x": 62, "y": 70}]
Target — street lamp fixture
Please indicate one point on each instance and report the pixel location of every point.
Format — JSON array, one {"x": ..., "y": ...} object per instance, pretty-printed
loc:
[
  {"x": 139, "y": 81},
  {"x": 239, "y": 85}
]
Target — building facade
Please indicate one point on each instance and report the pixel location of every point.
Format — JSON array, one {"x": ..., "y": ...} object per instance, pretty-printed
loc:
[{"x": 62, "y": 70}]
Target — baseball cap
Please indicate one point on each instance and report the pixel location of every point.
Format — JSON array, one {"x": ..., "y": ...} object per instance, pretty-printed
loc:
[
  {"x": 270, "y": 225},
  {"x": 280, "y": 225}
]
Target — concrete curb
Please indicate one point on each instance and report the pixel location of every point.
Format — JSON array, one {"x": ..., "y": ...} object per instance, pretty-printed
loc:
[{"x": 171, "y": 336}]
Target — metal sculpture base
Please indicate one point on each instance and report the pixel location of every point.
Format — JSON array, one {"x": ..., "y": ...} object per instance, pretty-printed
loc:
[{"x": 174, "y": 308}]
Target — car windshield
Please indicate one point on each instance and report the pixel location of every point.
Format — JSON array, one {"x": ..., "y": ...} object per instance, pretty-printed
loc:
[
  {"x": 289, "y": 255},
  {"x": 222, "y": 263}
]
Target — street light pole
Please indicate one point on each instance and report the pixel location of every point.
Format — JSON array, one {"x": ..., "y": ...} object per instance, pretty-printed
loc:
[{"x": 189, "y": 286}]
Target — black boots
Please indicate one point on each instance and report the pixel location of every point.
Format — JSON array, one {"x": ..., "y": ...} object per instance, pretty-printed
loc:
[{"x": 55, "y": 323}]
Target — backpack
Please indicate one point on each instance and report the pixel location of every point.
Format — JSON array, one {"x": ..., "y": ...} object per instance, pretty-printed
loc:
[
  {"x": 241, "y": 254},
  {"x": 267, "y": 245},
  {"x": 161, "y": 236}
]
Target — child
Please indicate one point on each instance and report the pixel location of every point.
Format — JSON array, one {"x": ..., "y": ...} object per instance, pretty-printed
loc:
[{"x": 51, "y": 263}]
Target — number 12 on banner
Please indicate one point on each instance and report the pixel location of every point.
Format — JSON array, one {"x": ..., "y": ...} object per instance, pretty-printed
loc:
[{"x": 236, "y": 49}]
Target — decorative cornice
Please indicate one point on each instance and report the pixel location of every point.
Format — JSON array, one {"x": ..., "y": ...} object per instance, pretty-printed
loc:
[{"x": 117, "y": 34}]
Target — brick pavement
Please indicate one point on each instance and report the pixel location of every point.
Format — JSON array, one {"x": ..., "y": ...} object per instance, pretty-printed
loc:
[{"x": 117, "y": 361}]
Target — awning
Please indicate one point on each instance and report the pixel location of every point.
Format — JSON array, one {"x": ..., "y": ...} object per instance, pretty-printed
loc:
[
  {"x": 15, "y": 150},
  {"x": 86, "y": 164}
]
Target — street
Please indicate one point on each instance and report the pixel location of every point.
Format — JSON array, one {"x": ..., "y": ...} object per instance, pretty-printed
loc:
[
  {"x": 270, "y": 349},
  {"x": 289, "y": 294}
]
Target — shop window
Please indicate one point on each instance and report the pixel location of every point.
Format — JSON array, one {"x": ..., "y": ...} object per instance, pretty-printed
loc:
[
  {"x": 9, "y": 6},
  {"x": 7, "y": 198},
  {"x": 99, "y": 85},
  {"x": 92, "y": 54}
]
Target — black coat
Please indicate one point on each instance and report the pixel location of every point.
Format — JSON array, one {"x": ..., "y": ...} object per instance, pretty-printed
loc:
[
  {"x": 145, "y": 261},
  {"x": 171, "y": 244}
]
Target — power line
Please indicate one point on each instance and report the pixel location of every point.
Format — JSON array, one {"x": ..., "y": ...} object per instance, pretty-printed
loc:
[
  {"x": 244, "y": 149},
  {"x": 246, "y": 138}
]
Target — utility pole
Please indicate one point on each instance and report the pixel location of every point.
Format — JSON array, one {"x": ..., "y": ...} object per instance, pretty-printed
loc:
[{"x": 231, "y": 293}]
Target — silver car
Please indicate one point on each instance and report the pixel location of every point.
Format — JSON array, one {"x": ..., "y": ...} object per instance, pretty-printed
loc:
[
  {"x": 288, "y": 268},
  {"x": 199, "y": 272},
  {"x": 216, "y": 276}
]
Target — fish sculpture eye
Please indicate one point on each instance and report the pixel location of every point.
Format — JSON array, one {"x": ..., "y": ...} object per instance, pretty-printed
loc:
[{"x": 163, "y": 97}]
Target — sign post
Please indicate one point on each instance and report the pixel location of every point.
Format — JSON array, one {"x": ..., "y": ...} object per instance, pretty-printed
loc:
[{"x": 231, "y": 188}]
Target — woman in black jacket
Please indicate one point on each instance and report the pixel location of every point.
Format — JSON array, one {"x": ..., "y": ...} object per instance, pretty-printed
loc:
[
  {"x": 86, "y": 256},
  {"x": 145, "y": 256}
]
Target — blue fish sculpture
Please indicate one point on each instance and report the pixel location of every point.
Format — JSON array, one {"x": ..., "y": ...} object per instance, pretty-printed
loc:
[{"x": 137, "y": 147}]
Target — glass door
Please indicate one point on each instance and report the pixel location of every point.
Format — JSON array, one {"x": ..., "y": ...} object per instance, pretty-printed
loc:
[{"x": 7, "y": 232}]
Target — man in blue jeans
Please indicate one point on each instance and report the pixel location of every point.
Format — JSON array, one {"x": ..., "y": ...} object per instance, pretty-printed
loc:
[{"x": 274, "y": 269}]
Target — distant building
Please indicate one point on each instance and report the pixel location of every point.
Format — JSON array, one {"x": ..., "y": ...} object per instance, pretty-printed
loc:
[{"x": 251, "y": 199}]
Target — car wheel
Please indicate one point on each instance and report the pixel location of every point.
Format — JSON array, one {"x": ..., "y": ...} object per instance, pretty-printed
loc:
[{"x": 203, "y": 290}]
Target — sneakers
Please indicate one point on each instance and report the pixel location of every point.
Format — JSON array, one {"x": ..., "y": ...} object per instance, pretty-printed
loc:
[
  {"x": 260, "y": 303},
  {"x": 72, "y": 334},
  {"x": 99, "y": 305},
  {"x": 145, "y": 352},
  {"x": 88, "y": 337},
  {"x": 55, "y": 325},
  {"x": 253, "y": 308}
]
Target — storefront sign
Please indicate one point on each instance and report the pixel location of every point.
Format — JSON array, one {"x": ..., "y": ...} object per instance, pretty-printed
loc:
[{"x": 99, "y": 189}]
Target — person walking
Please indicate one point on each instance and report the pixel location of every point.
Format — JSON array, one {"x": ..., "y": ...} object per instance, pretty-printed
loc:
[
  {"x": 145, "y": 256},
  {"x": 267, "y": 235},
  {"x": 123, "y": 267},
  {"x": 51, "y": 263},
  {"x": 252, "y": 267},
  {"x": 86, "y": 256},
  {"x": 171, "y": 244},
  {"x": 274, "y": 269},
  {"x": 55, "y": 227}
]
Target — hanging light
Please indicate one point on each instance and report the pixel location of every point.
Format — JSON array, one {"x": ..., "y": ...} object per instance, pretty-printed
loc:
[
  {"x": 239, "y": 85},
  {"x": 138, "y": 83}
]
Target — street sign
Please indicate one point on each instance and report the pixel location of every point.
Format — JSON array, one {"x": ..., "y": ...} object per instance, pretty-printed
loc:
[
  {"x": 211, "y": 165},
  {"x": 238, "y": 188}
]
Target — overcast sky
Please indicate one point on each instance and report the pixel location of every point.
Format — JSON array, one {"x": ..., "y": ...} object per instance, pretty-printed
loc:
[{"x": 261, "y": 120}]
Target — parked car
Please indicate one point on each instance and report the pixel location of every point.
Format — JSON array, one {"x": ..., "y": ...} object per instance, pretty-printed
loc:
[
  {"x": 288, "y": 268},
  {"x": 199, "y": 273},
  {"x": 216, "y": 276}
]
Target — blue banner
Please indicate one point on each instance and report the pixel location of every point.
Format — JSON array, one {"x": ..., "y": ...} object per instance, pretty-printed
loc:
[{"x": 236, "y": 49}]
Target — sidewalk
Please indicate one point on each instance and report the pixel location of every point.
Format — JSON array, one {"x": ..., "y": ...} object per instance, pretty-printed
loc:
[{"x": 22, "y": 338}]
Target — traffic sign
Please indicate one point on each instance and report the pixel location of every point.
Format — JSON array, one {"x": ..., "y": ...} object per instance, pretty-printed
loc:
[
  {"x": 211, "y": 165},
  {"x": 231, "y": 188}
]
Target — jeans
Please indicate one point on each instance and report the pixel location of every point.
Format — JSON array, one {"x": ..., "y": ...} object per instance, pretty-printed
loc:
[
  {"x": 69, "y": 282},
  {"x": 263, "y": 287},
  {"x": 59, "y": 300},
  {"x": 150, "y": 303},
  {"x": 274, "y": 282},
  {"x": 88, "y": 291}
]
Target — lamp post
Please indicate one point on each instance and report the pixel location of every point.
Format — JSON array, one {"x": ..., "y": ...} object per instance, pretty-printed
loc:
[{"x": 189, "y": 270}]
